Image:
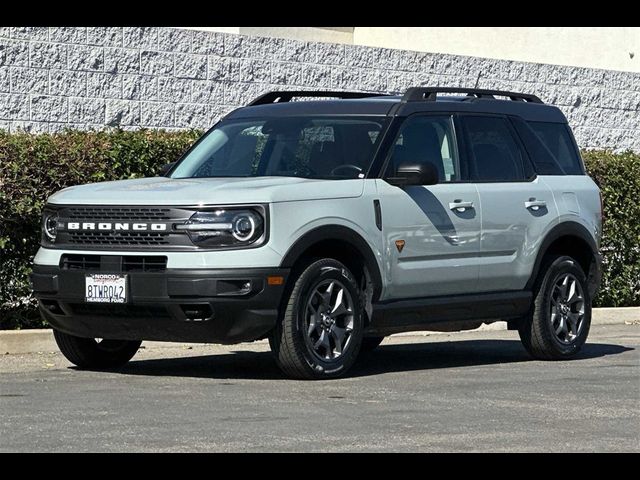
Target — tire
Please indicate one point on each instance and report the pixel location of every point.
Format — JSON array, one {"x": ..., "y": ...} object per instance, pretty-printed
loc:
[
  {"x": 88, "y": 353},
  {"x": 369, "y": 344},
  {"x": 305, "y": 345},
  {"x": 556, "y": 329}
]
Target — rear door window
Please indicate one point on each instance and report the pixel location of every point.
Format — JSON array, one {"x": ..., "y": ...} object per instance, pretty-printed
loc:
[{"x": 497, "y": 156}]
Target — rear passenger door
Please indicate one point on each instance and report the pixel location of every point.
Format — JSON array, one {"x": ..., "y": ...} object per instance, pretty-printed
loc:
[{"x": 517, "y": 208}]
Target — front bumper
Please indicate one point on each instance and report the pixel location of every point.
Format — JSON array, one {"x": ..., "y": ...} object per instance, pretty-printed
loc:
[{"x": 188, "y": 305}]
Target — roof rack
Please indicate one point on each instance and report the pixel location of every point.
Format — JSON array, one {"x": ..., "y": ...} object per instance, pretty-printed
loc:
[
  {"x": 286, "y": 96},
  {"x": 429, "y": 94}
]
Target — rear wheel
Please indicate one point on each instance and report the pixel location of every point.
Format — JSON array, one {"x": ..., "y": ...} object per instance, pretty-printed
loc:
[
  {"x": 559, "y": 322},
  {"x": 320, "y": 332},
  {"x": 95, "y": 353}
]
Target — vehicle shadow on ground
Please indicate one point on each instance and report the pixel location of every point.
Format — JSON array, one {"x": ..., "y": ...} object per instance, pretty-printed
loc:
[{"x": 385, "y": 359}]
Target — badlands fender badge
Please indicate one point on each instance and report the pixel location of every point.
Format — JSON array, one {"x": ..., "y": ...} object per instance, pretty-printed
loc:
[{"x": 400, "y": 245}]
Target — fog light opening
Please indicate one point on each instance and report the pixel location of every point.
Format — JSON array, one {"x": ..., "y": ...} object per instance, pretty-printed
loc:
[{"x": 234, "y": 287}]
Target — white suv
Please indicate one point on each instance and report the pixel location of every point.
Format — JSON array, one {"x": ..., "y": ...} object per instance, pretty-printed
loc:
[{"x": 325, "y": 225}]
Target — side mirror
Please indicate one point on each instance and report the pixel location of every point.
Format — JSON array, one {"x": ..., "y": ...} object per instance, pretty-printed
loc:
[
  {"x": 165, "y": 168},
  {"x": 414, "y": 173}
]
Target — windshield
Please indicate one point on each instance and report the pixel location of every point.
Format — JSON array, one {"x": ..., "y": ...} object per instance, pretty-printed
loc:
[{"x": 320, "y": 147}]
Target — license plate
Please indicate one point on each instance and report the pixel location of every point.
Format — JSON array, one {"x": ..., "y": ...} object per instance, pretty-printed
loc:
[{"x": 106, "y": 288}]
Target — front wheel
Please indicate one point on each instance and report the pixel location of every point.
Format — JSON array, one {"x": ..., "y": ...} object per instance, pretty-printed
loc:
[
  {"x": 90, "y": 353},
  {"x": 561, "y": 316},
  {"x": 320, "y": 332}
]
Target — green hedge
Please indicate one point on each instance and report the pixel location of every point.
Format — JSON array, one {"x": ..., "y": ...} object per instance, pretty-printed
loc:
[
  {"x": 618, "y": 176},
  {"x": 34, "y": 166}
]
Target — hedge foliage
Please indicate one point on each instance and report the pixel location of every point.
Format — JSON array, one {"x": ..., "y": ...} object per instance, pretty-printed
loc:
[
  {"x": 34, "y": 166},
  {"x": 618, "y": 176}
]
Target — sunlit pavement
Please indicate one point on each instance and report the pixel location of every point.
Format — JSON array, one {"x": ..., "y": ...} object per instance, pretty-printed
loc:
[{"x": 473, "y": 391}]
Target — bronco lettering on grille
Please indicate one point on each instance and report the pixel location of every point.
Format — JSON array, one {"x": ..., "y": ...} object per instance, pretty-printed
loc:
[{"x": 108, "y": 226}]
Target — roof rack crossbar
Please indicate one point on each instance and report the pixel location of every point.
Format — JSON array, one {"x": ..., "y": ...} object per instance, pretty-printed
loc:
[
  {"x": 429, "y": 94},
  {"x": 286, "y": 96}
]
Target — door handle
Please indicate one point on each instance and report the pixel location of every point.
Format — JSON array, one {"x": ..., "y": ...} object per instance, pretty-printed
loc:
[
  {"x": 460, "y": 206},
  {"x": 534, "y": 204}
]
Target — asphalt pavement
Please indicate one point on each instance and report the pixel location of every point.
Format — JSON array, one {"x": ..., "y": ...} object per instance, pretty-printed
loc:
[{"x": 476, "y": 391}]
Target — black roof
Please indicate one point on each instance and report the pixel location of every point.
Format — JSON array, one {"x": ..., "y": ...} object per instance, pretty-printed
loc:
[{"x": 419, "y": 99}]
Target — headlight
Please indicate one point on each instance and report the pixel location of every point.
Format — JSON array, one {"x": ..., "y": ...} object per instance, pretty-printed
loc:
[
  {"x": 50, "y": 225},
  {"x": 226, "y": 227}
]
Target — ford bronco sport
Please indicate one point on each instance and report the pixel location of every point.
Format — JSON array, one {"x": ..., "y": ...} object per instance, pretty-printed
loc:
[{"x": 326, "y": 224}]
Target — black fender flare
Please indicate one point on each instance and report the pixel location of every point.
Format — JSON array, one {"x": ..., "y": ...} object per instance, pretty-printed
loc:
[
  {"x": 336, "y": 232},
  {"x": 563, "y": 229}
]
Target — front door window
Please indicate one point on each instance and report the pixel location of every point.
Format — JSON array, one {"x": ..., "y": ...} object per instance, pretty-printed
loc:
[{"x": 428, "y": 139}]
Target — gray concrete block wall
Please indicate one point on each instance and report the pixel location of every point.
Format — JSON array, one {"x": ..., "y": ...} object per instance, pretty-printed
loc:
[{"x": 132, "y": 77}]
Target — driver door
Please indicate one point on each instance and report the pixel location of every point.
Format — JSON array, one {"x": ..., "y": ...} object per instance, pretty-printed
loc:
[{"x": 431, "y": 233}]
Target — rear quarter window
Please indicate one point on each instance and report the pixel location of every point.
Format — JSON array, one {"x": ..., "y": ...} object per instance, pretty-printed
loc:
[{"x": 557, "y": 138}]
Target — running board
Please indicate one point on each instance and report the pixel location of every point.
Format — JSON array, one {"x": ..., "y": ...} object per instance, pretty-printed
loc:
[{"x": 417, "y": 314}]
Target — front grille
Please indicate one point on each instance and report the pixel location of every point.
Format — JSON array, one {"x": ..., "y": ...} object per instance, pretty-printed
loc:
[
  {"x": 114, "y": 263},
  {"x": 109, "y": 310},
  {"x": 80, "y": 262},
  {"x": 119, "y": 238},
  {"x": 123, "y": 236},
  {"x": 119, "y": 213}
]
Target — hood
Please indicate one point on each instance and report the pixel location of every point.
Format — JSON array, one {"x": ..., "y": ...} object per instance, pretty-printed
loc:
[{"x": 196, "y": 191}]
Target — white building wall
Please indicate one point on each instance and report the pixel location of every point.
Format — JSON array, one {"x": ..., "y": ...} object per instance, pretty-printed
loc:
[
  {"x": 131, "y": 77},
  {"x": 612, "y": 48}
]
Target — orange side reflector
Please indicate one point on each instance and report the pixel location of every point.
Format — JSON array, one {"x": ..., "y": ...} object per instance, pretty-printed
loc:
[{"x": 275, "y": 280}]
